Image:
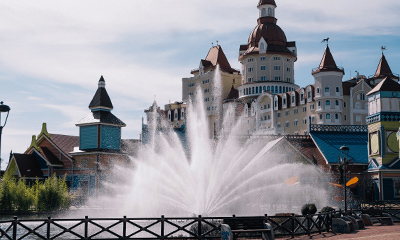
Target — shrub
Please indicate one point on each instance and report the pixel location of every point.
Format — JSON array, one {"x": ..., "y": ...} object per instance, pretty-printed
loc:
[
  {"x": 327, "y": 209},
  {"x": 308, "y": 208},
  {"x": 23, "y": 197},
  {"x": 7, "y": 187},
  {"x": 52, "y": 195}
]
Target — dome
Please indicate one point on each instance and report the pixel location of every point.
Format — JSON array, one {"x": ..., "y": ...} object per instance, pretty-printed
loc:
[
  {"x": 270, "y": 2},
  {"x": 271, "y": 32}
]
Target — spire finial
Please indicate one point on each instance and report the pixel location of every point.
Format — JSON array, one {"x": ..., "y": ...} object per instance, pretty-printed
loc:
[
  {"x": 102, "y": 82},
  {"x": 212, "y": 44},
  {"x": 326, "y": 40},
  {"x": 217, "y": 43},
  {"x": 383, "y": 48}
]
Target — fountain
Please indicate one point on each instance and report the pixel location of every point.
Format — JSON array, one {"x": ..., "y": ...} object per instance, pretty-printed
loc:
[{"x": 214, "y": 178}]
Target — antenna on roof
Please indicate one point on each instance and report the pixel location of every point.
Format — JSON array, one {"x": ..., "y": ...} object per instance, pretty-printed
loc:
[
  {"x": 383, "y": 48},
  {"x": 326, "y": 40}
]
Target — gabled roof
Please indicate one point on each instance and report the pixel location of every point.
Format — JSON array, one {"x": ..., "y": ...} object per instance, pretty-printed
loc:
[
  {"x": 383, "y": 70},
  {"x": 327, "y": 64},
  {"x": 233, "y": 94},
  {"x": 217, "y": 56},
  {"x": 262, "y": 2},
  {"x": 65, "y": 143},
  {"x": 347, "y": 86},
  {"x": 386, "y": 84},
  {"x": 101, "y": 117},
  {"x": 53, "y": 160},
  {"x": 329, "y": 144},
  {"x": 28, "y": 165},
  {"x": 101, "y": 98}
]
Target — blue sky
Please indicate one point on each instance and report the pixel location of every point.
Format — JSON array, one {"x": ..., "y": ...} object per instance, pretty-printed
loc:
[{"x": 54, "y": 52}]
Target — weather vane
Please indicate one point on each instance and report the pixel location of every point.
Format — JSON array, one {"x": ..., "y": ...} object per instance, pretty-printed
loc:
[
  {"x": 383, "y": 48},
  {"x": 217, "y": 43},
  {"x": 212, "y": 44},
  {"x": 325, "y": 40}
]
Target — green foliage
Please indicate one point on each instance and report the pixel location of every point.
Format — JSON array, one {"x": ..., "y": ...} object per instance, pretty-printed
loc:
[
  {"x": 7, "y": 186},
  {"x": 50, "y": 195},
  {"x": 308, "y": 208},
  {"x": 327, "y": 209}
]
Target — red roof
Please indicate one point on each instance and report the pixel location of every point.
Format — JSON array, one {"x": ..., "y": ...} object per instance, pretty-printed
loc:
[
  {"x": 327, "y": 64},
  {"x": 216, "y": 56},
  {"x": 65, "y": 143},
  {"x": 383, "y": 70}
]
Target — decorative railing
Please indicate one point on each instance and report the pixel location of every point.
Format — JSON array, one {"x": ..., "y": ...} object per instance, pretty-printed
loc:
[
  {"x": 384, "y": 117},
  {"x": 339, "y": 128}
]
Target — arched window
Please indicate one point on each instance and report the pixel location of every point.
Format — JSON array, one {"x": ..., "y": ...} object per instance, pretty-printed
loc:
[
  {"x": 327, "y": 89},
  {"x": 280, "y": 89},
  {"x": 264, "y": 13},
  {"x": 269, "y": 12},
  {"x": 358, "y": 105},
  {"x": 262, "y": 46},
  {"x": 268, "y": 89},
  {"x": 336, "y": 116},
  {"x": 264, "y": 88},
  {"x": 260, "y": 89},
  {"x": 328, "y": 116},
  {"x": 336, "y": 102},
  {"x": 327, "y": 103}
]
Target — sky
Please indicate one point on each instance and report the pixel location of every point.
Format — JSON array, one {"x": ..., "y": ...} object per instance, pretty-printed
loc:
[{"x": 52, "y": 53}]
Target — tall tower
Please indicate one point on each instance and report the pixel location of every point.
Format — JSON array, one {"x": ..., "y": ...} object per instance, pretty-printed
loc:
[
  {"x": 100, "y": 130},
  {"x": 328, "y": 90},
  {"x": 383, "y": 121},
  {"x": 268, "y": 58}
]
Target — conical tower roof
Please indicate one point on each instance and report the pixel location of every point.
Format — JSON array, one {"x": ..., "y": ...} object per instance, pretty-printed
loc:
[
  {"x": 383, "y": 70},
  {"x": 328, "y": 63},
  {"x": 101, "y": 98}
]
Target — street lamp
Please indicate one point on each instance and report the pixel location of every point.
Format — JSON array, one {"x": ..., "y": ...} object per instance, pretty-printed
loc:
[
  {"x": 345, "y": 151},
  {"x": 3, "y": 109}
]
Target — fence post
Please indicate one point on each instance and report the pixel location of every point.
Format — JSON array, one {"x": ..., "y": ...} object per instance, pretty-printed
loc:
[
  {"x": 48, "y": 227},
  {"x": 308, "y": 225},
  {"x": 86, "y": 227},
  {"x": 320, "y": 220},
  {"x": 162, "y": 227},
  {"x": 199, "y": 228},
  {"x": 124, "y": 228},
  {"x": 15, "y": 223},
  {"x": 293, "y": 228}
]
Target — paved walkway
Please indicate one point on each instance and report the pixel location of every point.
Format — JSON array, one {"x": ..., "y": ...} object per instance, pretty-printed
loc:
[{"x": 370, "y": 232}]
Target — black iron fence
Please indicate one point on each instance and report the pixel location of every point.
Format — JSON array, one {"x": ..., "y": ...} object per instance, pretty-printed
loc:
[{"x": 167, "y": 228}]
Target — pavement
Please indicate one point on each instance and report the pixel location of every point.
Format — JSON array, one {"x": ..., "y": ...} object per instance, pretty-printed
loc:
[{"x": 370, "y": 232}]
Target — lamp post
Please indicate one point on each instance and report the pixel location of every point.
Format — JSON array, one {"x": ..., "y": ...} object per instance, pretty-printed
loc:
[
  {"x": 344, "y": 150},
  {"x": 3, "y": 109}
]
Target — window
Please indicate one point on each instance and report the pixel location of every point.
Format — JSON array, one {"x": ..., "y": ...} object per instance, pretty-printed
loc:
[
  {"x": 280, "y": 89},
  {"x": 278, "y": 114},
  {"x": 278, "y": 125},
  {"x": 308, "y": 94},
  {"x": 276, "y": 103},
  {"x": 328, "y": 116},
  {"x": 327, "y": 89},
  {"x": 344, "y": 104},
  {"x": 250, "y": 69},
  {"x": 287, "y": 59},
  {"x": 288, "y": 69},
  {"x": 304, "y": 109},
  {"x": 262, "y": 68},
  {"x": 337, "y": 89},
  {"x": 304, "y": 120},
  {"x": 268, "y": 89},
  {"x": 296, "y": 122},
  {"x": 250, "y": 60},
  {"x": 336, "y": 103},
  {"x": 268, "y": 117},
  {"x": 277, "y": 68},
  {"x": 262, "y": 58},
  {"x": 319, "y": 104},
  {"x": 320, "y": 117},
  {"x": 206, "y": 90},
  {"x": 293, "y": 102},
  {"x": 295, "y": 111},
  {"x": 264, "y": 13},
  {"x": 312, "y": 107},
  {"x": 302, "y": 97},
  {"x": 277, "y": 58},
  {"x": 317, "y": 90},
  {"x": 287, "y": 113},
  {"x": 345, "y": 117},
  {"x": 361, "y": 96},
  {"x": 250, "y": 79},
  {"x": 269, "y": 12},
  {"x": 312, "y": 119},
  {"x": 327, "y": 103},
  {"x": 284, "y": 101},
  {"x": 288, "y": 79},
  {"x": 358, "y": 118},
  {"x": 277, "y": 78},
  {"x": 336, "y": 116},
  {"x": 268, "y": 106},
  {"x": 287, "y": 124}
]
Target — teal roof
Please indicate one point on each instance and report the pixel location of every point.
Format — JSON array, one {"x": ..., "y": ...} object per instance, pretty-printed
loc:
[{"x": 329, "y": 144}]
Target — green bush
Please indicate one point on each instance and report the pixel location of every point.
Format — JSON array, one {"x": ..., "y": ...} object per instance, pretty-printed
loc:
[
  {"x": 52, "y": 195},
  {"x": 308, "y": 208},
  {"x": 7, "y": 187},
  {"x": 327, "y": 209},
  {"x": 24, "y": 197}
]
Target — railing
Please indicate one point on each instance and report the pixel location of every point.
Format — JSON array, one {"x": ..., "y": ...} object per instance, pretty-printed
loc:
[
  {"x": 338, "y": 128},
  {"x": 150, "y": 228},
  {"x": 390, "y": 207}
]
